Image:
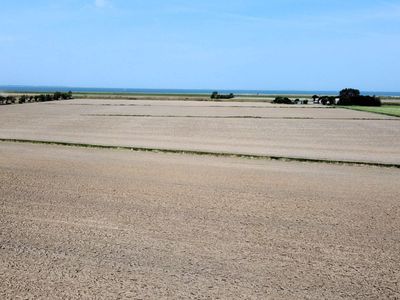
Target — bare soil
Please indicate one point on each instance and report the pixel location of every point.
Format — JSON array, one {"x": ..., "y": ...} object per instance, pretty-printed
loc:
[
  {"x": 110, "y": 224},
  {"x": 246, "y": 128}
]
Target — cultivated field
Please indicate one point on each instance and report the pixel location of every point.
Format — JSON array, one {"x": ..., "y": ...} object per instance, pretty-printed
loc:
[
  {"x": 313, "y": 132},
  {"x": 106, "y": 223}
]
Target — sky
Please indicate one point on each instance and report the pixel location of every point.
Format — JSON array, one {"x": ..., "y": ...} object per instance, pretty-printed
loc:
[{"x": 202, "y": 44}]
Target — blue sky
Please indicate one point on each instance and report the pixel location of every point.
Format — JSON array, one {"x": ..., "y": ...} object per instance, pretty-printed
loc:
[{"x": 236, "y": 44}]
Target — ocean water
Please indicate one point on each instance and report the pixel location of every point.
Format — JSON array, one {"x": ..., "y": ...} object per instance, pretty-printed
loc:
[{"x": 22, "y": 88}]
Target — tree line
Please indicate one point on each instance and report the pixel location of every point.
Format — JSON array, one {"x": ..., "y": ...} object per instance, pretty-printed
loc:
[
  {"x": 346, "y": 97},
  {"x": 35, "y": 98},
  {"x": 286, "y": 100},
  {"x": 349, "y": 97},
  {"x": 354, "y": 97}
]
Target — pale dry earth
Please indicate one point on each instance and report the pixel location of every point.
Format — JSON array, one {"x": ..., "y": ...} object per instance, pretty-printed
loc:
[
  {"x": 108, "y": 224},
  {"x": 311, "y": 131}
]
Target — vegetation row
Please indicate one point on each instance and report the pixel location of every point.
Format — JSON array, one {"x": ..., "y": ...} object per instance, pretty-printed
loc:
[
  {"x": 286, "y": 100},
  {"x": 346, "y": 97},
  {"x": 216, "y": 95},
  {"x": 36, "y": 98}
]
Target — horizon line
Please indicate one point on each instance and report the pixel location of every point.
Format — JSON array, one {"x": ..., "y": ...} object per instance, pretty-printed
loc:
[{"x": 82, "y": 88}]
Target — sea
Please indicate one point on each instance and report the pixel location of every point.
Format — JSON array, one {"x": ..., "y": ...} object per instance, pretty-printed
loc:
[{"x": 49, "y": 89}]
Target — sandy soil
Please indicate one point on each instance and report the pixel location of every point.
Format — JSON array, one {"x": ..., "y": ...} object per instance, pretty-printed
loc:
[
  {"x": 333, "y": 134},
  {"x": 116, "y": 224}
]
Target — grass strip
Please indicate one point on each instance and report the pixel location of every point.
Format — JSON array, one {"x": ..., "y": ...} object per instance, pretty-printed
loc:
[
  {"x": 204, "y": 153},
  {"x": 388, "y": 110}
]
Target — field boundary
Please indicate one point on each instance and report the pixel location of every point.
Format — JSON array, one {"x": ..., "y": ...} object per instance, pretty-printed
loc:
[
  {"x": 203, "y": 153},
  {"x": 272, "y": 106},
  {"x": 237, "y": 117}
]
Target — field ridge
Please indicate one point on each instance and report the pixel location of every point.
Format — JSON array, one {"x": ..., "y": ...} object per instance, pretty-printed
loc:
[{"x": 204, "y": 153}]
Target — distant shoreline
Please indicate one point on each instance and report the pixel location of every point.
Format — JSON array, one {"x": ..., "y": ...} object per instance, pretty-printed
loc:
[{"x": 175, "y": 92}]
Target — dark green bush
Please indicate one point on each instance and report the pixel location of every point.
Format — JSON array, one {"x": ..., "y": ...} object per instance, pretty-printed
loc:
[
  {"x": 361, "y": 101},
  {"x": 282, "y": 100},
  {"x": 353, "y": 97},
  {"x": 23, "y": 99},
  {"x": 327, "y": 100},
  {"x": 349, "y": 93},
  {"x": 36, "y": 98},
  {"x": 11, "y": 99},
  {"x": 215, "y": 95},
  {"x": 57, "y": 96},
  {"x": 62, "y": 96}
]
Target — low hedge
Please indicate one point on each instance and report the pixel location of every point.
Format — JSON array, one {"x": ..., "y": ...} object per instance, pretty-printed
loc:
[{"x": 37, "y": 98}]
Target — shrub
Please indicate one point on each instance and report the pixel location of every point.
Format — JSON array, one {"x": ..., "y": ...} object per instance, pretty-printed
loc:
[
  {"x": 23, "y": 99},
  {"x": 327, "y": 100},
  {"x": 282, "y": 100},
  {"x": 36, "y": 98},
  {"x": 65, "y": 96},
  {"x": 353, "y": 97},
  {"x": 57, "y": 96},
  {"x": 215, "y": 95},
  {"x": 62, "y": 96},
  {"x": 361, "y": 101},
  {"x": 349, "y": 93},
  {"x": 11, "y": 99}
]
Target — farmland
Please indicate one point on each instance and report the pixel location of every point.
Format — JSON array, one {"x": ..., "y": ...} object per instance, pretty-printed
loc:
[
  {"x": 389, "y": 110},
  {"x": 315, "y": 222},
  {"x": 313, "y": 132}
]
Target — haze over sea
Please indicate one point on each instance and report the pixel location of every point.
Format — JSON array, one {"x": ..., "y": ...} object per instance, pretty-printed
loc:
[{"x": 43, "y": 89}]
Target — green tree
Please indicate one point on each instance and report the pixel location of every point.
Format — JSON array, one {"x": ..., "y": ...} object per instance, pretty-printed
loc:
[
  {"x": 23, "y": 99},
  {"x": 349, "y": 93},
  {"x": 57, "y": 96}
]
